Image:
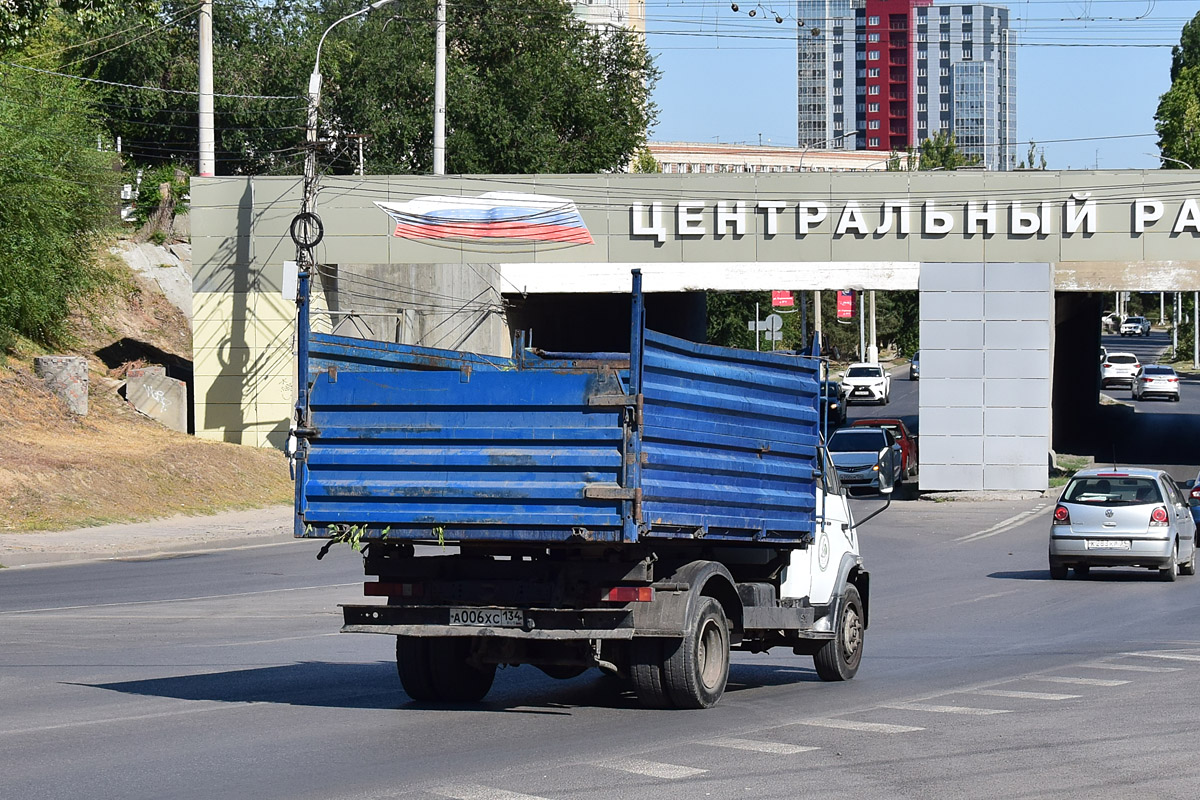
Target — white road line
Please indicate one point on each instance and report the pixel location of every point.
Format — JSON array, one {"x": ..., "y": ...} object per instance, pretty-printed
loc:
[
  {"x": 1025, "y": 695},
  {"x": 180, "y": 599},
  {"x": 473, "y": 791},
  {"x": 1167, "y": 654},
  {"x": 1078, "y": 681},
  {"x": 1005, "y": 525},
  {"x": 777, "y": 748},
  {"x": 935, "y": 709},
  {"x": 864, "y": 727},
  {"x": 131, "y": 718},
  {"x": 1129, "y": 667},
  {"x": 651, "y": 769}
]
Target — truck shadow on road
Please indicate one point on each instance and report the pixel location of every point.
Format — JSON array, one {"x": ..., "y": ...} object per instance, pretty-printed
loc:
[{"x": 375, "y": 686}]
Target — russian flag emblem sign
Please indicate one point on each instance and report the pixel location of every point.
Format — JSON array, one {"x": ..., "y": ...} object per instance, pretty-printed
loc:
[{"x": 494, "y": 215}]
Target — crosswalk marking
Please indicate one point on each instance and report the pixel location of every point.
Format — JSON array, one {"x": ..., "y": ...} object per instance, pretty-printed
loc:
[
  {"x": 473, "y": 791},
  {"x": 652, "y": 769},
  {"x": 1078, "y": 681},
  {"x": 777, "y": 748},
  {"x": 1025, "y": 695},
  {"x": 1165, "y": 654},
  {"x": 935, "y": 709},
  {"x": 865, "y": 727},
  {"x": 1130, "y": 667}
]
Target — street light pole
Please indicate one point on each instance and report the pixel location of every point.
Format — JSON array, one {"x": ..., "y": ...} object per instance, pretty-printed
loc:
[{"x": 804, "y": 152}]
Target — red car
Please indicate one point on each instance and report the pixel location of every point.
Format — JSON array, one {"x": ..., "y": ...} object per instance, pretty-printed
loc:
[{"x": 905, "y": 438}]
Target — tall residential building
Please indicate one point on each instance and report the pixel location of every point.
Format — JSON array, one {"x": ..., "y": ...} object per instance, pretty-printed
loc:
[{"x": 887, "y": 74}]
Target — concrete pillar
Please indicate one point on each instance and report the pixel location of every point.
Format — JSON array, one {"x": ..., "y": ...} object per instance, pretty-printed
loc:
[{"x": 67, "y": 377}]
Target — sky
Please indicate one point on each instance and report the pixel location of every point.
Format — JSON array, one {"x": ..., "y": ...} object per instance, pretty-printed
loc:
[{"x": 729, "y": 77}]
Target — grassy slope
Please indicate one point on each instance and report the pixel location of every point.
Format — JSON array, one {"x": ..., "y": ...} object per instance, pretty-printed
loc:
[{"x": 60, "y": 471}]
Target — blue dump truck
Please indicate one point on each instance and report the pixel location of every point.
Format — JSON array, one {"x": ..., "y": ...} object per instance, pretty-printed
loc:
[{"x": 644, "y": 513}]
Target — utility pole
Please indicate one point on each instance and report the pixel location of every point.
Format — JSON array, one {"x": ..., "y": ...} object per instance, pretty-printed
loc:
[
  {"x": 208, "y": 160},
  {"x": 439, "y": 92},
  {"x": 862, "y": 333},
  {"x": 873, "y": 352}
]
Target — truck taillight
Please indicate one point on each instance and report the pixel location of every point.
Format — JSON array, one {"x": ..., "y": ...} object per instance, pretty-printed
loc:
[
  {"x": 629, "y": 594},
  {"x": 390, "y": 589},
  {"x": 1062, "y": 516},
  {"x": 1158, "y": 517}
]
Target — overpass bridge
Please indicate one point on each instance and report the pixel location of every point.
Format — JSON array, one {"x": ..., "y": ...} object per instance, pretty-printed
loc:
[{"x": 1010, "y": 266}]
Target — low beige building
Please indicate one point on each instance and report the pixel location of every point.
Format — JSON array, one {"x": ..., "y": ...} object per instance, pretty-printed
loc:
[{"x": 692, "y": 157}]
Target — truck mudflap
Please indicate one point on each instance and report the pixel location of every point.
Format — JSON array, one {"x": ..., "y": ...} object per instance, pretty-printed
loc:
[{"x": 534, "y": 623}]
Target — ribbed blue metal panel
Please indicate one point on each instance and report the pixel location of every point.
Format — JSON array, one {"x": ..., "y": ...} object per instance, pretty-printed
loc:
[
  {"x": 405, "y": 441},
  {"x": 729, "y": 442},
  {"x": 410, "y": 440}
]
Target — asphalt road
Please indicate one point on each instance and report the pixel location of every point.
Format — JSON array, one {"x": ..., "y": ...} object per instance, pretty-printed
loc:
[{"x": 222, "y": 675}]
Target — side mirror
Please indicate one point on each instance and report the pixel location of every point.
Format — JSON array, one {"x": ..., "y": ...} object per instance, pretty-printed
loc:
[{"x": 886, "y": 489}]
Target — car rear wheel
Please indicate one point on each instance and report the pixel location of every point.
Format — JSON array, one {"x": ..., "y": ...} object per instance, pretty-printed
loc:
[
  {"x": 1058, "y": 572},
  {"x": 1169, "y": 572},
  {"x": 1189, "y": 567}
]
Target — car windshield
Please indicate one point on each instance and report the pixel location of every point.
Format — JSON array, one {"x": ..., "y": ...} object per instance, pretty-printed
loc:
[
  {"x": 1112, "y": 491},
  {"x": 1133, "y": 320},
  {"x": 857, "y": 441},
  {"x": 1122, "y": 359},
  {"x": 864, "y": 372}
]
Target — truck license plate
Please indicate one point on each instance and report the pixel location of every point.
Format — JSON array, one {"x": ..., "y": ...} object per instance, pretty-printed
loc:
[
  {"x": 488, "y": 617},
  {"x": 1108, "y": 544}
]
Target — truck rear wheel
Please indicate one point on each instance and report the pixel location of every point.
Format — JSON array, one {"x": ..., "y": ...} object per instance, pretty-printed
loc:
[
  {"x": 838, "y": 659},
  {"x": 412, "y": 662},
  {"x": 455, "y": 678},
  {"x": 697, "y": 671},
  {"x": 433, "y": 669},
  {"x": 646, "y": 673}
]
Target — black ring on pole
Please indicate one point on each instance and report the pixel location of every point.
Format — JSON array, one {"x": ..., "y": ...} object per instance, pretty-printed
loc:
[{"x": 304, "y": 222}]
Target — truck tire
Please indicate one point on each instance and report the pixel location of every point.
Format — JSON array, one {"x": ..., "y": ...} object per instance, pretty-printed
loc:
[
  {"x": 698, "y": 669},
  {"x": 412, "y": 662},
  {"x": 455, "y": 679},
  {"x": 646, "y": 673},
  {"x": 838, "y": 659}
]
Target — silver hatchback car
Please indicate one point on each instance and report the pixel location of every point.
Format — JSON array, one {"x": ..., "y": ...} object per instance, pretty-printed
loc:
[{"x": 1122, "y": 517}]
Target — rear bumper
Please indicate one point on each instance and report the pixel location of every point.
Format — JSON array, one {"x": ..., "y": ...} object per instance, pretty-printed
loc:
[
  {"x": 544, "y": 624},
  {"x": 1073, "y": 550}
]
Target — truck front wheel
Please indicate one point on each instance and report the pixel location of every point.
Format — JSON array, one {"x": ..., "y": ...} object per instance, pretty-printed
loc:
[
  {"x": 697, "y": 670},
  {"x": 838, "y": 659}
]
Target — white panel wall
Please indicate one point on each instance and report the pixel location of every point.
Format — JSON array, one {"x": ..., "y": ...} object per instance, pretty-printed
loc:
[{"x": 986, "y": 342}]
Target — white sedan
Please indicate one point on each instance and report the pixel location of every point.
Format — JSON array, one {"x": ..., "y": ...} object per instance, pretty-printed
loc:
[
  {"x": 868, "y": 383},
  {"x": 1156, "y": 380}
]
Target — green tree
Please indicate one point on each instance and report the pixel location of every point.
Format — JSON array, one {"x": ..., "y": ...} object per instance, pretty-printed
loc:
[
  {"x": 644, "y": 162},
  {"x": 941, "y": 152},
  {"x": 1187, "y": 53},
  {"x": 529, "y": 90},
  {"x": 1177, "y": 120},
  {"x": 258, "y": 50},
  {"x": 23, "y": 20},
  {"x": 58, "y": 194}
]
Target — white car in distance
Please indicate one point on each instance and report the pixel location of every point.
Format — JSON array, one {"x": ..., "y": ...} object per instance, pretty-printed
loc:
[
  {"x": 1135, "y": 326},
  {"x": 867, "y": 383}
]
